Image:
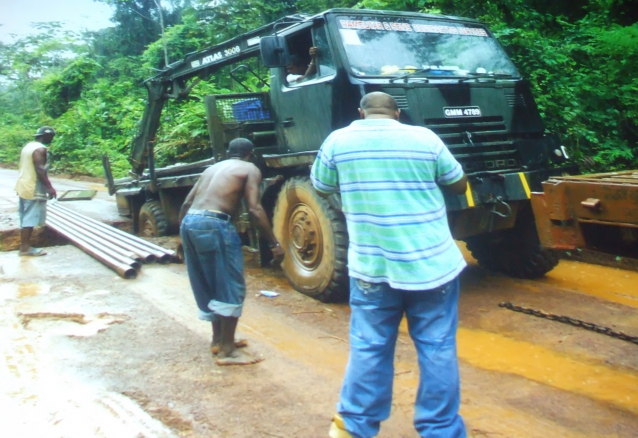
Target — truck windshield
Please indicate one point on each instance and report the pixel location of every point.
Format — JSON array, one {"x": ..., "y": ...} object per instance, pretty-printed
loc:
[{"x": 396, "y": 46}]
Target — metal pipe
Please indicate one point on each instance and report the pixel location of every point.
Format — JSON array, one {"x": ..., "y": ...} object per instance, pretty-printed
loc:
[
  {"x": 99, "y": 242},
  {"x": 86, "y": 241},
  {"x": 114, "y": 247},
  {"x": 147, "y": 257},
  {"x": 115, "y": 231},
  {"x": 119, "y": 237},
  {"x": 124, "y": 271}
]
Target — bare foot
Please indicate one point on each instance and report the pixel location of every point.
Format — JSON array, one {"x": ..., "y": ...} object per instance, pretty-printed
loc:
[
  {"x": 238, "y": 357},
  {"x": 239, "y": 343}
]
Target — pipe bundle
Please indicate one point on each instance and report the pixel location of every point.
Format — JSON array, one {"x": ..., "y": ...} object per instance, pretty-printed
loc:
[{"x": 120, "y": 251}]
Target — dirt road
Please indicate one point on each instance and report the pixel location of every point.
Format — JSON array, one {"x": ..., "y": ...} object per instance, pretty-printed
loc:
[{"x": 88, "y": 354}]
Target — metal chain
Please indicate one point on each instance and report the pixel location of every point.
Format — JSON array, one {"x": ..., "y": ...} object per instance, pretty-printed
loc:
[{"x": 571, "y": 321}]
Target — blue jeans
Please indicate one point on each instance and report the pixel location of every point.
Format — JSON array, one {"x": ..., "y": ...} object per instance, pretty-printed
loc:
[
  {"x": 366, "y": 395},
  {"x": 215, "y": 264}
]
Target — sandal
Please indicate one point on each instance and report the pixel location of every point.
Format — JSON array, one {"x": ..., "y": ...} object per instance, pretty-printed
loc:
[{"x": 33, "y": 252}]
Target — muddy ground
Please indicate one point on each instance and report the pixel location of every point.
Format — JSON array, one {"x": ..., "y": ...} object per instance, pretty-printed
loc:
[{"x": 88, "y": 354}]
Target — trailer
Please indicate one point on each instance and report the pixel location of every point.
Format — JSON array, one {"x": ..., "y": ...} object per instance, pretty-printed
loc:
[{"x": 594, "y": 212}]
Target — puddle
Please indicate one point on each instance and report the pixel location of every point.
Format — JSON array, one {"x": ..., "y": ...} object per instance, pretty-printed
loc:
[
  {"x": 495, "y": 352},
  {"x": 10, "y": 291},
  {"x": 32, "y": 289},
  {"x": 70, "y": 324},
  {"x": 616, "y": 285},
  {"x": 611, "y": 284}
]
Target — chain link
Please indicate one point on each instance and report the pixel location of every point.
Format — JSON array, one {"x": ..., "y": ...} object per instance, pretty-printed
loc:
[{"x": 571, "y": 321}]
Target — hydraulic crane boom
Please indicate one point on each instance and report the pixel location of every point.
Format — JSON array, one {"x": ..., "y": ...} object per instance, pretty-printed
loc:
[{"x": 171, "y": 82}]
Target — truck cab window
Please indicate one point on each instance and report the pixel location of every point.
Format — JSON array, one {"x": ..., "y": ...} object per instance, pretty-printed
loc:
[
  {"x": 325, "y": 63},
  {"x": 310, "y": 57},
  {"x": 299, "y": 69},
  {"x": 425, "y": 47}
]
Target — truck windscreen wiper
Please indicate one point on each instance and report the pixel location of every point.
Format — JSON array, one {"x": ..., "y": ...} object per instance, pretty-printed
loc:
[
  {"x": 410, "y": 73},
  {"x": 487, "y": 76}
]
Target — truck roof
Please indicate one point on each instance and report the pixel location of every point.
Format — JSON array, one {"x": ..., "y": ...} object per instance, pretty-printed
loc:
[{"x": 178, "y": 69}]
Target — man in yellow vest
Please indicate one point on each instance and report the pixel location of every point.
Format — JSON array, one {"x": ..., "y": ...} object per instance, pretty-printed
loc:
[{"x": 34, "y": 188}]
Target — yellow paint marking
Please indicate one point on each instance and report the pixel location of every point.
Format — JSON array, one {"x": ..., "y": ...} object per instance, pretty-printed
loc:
[
  {"x": 528, "y": 192},
  {"x": 495, "y": 352},
  {"x": 469, "y": 196}
]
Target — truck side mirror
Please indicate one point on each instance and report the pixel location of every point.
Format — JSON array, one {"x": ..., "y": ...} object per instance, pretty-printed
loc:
[{"x": 274, "y": 51}]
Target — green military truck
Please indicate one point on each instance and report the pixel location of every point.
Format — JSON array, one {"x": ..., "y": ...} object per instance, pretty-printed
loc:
[{"x": 446, "y": 73}]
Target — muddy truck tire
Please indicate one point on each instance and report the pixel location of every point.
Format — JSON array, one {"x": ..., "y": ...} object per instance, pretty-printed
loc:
[
  {"x": 315, "y": 238},
  {"x": 516, "y": 252},
  {"x": 153, "y": 223}
]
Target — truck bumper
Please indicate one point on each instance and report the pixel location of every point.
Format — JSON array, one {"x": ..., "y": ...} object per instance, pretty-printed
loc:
[
  {"x": 488, "y": 189},
  {"x": 493, "y": 201}
]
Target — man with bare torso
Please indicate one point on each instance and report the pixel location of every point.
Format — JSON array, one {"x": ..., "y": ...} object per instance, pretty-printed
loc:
[{"x": 212, "y": 247}]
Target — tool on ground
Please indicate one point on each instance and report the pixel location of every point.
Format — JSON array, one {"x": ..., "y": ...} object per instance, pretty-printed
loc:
[
  {"x": 120, "y": 251},
  {"x": 571, "y": 321},
  {"x": 268, "y": 293}
]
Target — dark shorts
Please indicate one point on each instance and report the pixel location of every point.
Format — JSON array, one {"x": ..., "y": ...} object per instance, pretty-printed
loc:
[
  {"x": 215, "y": 264},
  {"x": 33, "y": 213}
]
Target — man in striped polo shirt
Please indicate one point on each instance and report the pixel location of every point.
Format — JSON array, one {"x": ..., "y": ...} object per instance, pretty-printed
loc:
[{"x": 401, "y": 260}]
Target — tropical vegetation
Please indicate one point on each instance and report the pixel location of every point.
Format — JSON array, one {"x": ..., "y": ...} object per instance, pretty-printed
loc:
[{"x": 581, "y": 57}]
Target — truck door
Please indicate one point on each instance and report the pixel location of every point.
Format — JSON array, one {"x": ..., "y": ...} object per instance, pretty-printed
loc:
[{"x": 304, "y": 107}]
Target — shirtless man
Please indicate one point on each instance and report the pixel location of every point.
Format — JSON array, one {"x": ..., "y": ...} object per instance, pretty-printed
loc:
[{"x": 212, "y": 247}]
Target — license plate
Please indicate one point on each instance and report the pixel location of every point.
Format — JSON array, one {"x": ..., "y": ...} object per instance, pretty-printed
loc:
[{"x": 462, "y": 111}]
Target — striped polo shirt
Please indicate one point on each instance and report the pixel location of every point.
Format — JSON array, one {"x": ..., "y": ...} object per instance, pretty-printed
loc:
[{"x": 389, "y": 175}]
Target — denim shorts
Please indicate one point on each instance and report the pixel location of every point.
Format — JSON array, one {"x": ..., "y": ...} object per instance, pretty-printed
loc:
[
  {"x": 215, "y": 264},
  {"x": 33, "y": 213}
]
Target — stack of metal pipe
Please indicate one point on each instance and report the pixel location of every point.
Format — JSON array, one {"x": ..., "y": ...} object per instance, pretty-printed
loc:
[{"x": 120, "y": 251}]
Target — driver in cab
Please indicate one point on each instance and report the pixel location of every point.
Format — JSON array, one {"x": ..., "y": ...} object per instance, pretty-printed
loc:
[{"x": 297, "y": 70}]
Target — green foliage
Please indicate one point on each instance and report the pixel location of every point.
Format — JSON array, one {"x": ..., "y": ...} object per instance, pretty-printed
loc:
[
  {"x": 60, "y": 89},
  {"x": 580, "y": 58},
  {"x": 102, "y": 122},
  {"x": 12, "y": 139}
]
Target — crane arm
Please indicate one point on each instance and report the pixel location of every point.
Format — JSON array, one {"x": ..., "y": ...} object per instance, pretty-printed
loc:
[{"x": 171, "y": 82}]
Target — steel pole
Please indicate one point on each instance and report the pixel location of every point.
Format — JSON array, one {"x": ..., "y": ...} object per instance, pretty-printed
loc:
[
  {"x": 114, "y": 251},
  {"x": 147, "y": 257},
  {"x": 168, "y": 254},
  {"x": 123, "y": 270}
]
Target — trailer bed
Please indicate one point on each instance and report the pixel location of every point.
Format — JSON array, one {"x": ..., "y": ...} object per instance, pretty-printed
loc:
[{"x": 598, "y": 211}]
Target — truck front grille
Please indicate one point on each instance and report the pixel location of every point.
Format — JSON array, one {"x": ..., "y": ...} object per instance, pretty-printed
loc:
[
  {"x": 514, "y": 100},
  {"x": 402, "y": 101},
  {"x": 478, "y": 143}
]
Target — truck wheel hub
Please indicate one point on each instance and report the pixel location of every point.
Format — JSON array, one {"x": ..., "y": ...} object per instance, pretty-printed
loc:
[
  {"x": 305, "y": 236},
  {"x": 147, "y": 229}
]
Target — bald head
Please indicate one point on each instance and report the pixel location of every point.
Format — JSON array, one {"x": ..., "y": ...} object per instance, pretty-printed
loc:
[{"x": 378, "y": 105}]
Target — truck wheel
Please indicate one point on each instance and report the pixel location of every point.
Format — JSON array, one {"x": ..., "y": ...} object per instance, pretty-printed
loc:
[
  {"x": 153, "y": 223},
  {"x": 516, "y": 252},
  {"x": 315, "y": 238}
]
